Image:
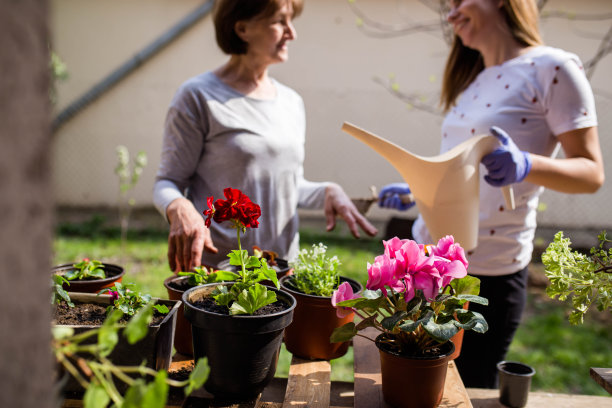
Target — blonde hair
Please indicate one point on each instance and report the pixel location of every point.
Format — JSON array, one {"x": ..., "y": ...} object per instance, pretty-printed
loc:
[{"x": 464, "y": 64}]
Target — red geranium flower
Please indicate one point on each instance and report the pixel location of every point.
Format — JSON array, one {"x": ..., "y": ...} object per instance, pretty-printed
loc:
[{"x": 237, "y": 207}]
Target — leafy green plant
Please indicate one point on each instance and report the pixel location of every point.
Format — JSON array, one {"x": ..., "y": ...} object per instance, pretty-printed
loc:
[
  {"x": 583, "y": 279},
  {"x": 246, "y": 295},
  {"x": 129, "y": 300},
  {"x": 202, "y": 275},
  {"x": 316, "y": 273},
  {"x": 90, "y": 366},
  {"x": 57, "y": 290},
  {"x": 86, "y": 269}
]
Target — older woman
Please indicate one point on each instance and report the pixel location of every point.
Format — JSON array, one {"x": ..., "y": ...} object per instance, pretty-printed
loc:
[
  {"x": 237, "y": 127},
  {"x": 499, "y": 77}
]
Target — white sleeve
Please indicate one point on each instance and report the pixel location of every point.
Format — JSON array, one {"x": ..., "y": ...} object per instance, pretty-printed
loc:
[{"x": 165, "y": 192}]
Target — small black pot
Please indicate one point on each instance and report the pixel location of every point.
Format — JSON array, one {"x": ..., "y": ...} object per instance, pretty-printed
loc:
[{"x": 242, "y": 350}]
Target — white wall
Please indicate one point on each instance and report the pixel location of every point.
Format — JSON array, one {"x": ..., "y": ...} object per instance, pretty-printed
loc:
[{"x": 332, "y": 65}]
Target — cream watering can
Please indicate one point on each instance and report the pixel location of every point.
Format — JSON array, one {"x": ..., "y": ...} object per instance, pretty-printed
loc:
[{"x": 445, "y": 187}]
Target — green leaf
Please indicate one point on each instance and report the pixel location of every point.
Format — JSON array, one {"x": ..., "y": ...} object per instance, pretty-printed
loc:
[
  {"x": 95, "y": 397},
  {"x": 61, "y": 332},
  {"x": 474, "y": 299},
  {"x": 388, "y": 323},
  {"x": 440, "y": 332},
  {"x": 156, "y": 392},
  {"x": 135, "y": 394},
  {"x": 198, "y": 376},
  {"x": 343, "y": 333},
  {"x": 223, "y": 276},
  {"x": 249, "y": 301},
  {"x": 468, "y": 285},
  {"x": 163, "y": 309},
  {"x": 410, "y": 325},
  {"x": 107, "y": 335},
  {"x": 138, "y": 325}
]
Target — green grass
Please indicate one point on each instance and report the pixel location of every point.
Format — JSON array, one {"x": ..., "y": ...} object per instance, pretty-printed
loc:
[{"x": 561, "y": 354}]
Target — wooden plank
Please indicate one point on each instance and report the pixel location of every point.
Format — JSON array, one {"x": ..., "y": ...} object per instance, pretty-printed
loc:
[
  {"x": 485, "y": 398},
  {"x": 603, "y": 377},
  {"x": 368, "y": 380},
  {"x": 308, "y": 384},
  {"x": 455, "y": 394}
]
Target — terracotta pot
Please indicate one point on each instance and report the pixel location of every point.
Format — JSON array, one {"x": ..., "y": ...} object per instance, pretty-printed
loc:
[
  {"x": 155, "y": 348},
  {"x": 415, "y": 382},
  {"x": 182, "y": 334},
  {"x": 114, "y": 273},
  {"x": 314, "y": 320},
  {"x": 242, "y": 350},
  {"x": 457, "y": 339}
]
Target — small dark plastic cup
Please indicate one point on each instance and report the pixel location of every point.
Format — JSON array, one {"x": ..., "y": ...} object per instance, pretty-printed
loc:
[{"x": 514, "y": 383}]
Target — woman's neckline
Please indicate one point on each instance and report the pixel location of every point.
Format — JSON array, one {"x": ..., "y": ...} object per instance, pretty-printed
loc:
[{"x": 242, "y": 94}]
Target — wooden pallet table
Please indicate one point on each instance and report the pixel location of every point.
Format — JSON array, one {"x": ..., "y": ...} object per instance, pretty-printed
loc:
[{"x": 309, "y": 385}]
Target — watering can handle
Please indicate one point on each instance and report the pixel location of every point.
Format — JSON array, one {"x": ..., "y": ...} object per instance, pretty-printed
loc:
[{"x": 509, "y": 197}]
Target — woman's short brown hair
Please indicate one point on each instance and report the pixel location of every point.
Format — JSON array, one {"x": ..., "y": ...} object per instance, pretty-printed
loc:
[{"x": 228, "y": 12}]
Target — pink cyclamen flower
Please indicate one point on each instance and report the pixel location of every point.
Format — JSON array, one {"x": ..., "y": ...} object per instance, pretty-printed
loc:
[
  {"x": 344, "y": 292},
  {"x": 447, "y": 248},
  {"x": 114, "y": 295},
  {"x": 383, "y": 273}
]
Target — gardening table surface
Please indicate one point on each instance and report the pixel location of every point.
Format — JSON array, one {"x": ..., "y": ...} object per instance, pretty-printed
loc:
[{"x": 309, "y": 385}]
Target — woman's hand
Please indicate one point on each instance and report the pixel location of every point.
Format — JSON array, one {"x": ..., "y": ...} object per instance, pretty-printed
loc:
[
  {"x": 395, "y": 196},
  {"x": 188, "y": 236},
  {"x": 338, "y": 203},
  {"x": 507, "y": 164}
]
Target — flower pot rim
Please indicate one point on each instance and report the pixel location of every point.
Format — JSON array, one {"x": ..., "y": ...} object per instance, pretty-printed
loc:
[
  {"x": 188, "y": 304},
  {"x": 174, "y": 278},
  {"x": 530, "y": 371},
  {"x": 103, "y": 299},
  {"x": 357, "y": 287},
  {"x": 445, "y": 355},
  {"x": 57, "y": 268}
]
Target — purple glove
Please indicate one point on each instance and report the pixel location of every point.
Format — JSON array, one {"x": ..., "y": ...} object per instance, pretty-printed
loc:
[
  {"x": 506, "y": 164},
  {"x": 390, "y": 196}
]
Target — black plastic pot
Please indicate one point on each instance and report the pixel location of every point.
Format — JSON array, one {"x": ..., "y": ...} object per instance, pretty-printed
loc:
[
  {"x": 155, "y": 348},
  {"x": 242, "y": 350}
]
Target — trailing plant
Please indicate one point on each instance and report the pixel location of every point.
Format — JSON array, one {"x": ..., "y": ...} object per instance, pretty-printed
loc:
[
  {"x": 246, "y": 295},
  {"x": 130, "y": 301},
  {"x": 583, "y": 279},
  {"x": 86, "y": 269},
  {"x": 316, "y": 273},
  {"x": 98, "y": 375},
  {"x": 414, "y": 296}
]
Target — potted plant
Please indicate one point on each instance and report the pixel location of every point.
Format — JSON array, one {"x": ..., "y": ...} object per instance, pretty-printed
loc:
[
  {"x": 102, "y": 379},
  {"x": 583, "y": 280},
  {"x": 280, "y": 265},
  {"x": 81, "y": 312},
  {"x": 89, "y": 275},
  {"x": 314, "y": 279},
  {"x": 238, "y": 325},
  {"x": 176, "y": 285},
  {"x": 414, "y": 296}
]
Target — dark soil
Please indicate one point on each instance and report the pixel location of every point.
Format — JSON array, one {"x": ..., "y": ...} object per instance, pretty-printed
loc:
[
  {"x": 88, "y": 314},
  {"x": 209, "y": 305},
  {"x": 181, "y": 285}
]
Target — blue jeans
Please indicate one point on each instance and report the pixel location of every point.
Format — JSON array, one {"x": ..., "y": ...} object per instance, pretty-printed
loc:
[{"x": 480, "y": 353}]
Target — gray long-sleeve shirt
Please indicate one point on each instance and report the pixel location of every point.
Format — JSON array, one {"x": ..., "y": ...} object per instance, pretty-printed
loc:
[{"x": 216, "y": 137}]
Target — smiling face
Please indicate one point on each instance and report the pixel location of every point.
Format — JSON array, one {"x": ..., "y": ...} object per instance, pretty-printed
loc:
[
  {"x": 267, "y": 37},
  {"x": 474, "y": 21}
]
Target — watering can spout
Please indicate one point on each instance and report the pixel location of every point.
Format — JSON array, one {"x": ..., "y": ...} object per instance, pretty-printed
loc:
[{"x": 445, "y": 187}]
